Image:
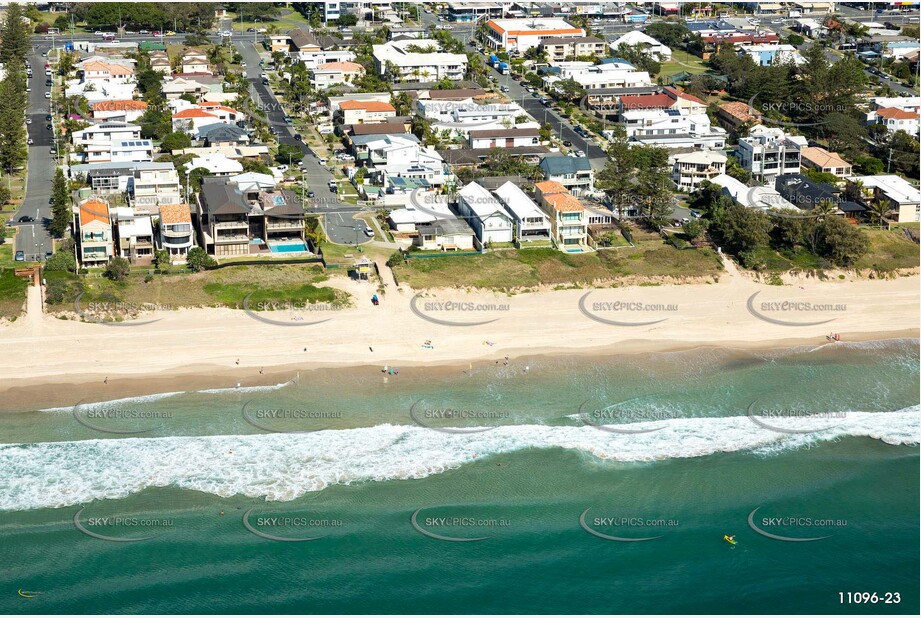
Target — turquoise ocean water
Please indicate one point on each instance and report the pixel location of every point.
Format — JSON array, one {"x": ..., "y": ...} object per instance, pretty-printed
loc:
[{"x": 538, "y": 477}]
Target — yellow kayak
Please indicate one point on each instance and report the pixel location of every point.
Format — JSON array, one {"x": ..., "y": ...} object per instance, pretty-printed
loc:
[
  {"x": 729, "y": 539},
  {"x": 27, "y": 595}
]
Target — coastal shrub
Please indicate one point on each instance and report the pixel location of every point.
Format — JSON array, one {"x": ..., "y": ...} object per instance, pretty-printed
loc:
[
  {"x": 61, "y": 261},
  {"x": 198, "y": 260},
  {"x": 395, "y": 259},
  {"x": 117, "y": 269}
]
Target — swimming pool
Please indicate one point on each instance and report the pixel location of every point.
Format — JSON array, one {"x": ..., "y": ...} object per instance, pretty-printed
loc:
[{"x": 288, "y": 247}]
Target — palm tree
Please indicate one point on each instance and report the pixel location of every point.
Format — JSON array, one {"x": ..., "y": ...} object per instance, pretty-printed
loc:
[
  {"x": 879, "y": 208},
  {"x": 824, "y": 208}
]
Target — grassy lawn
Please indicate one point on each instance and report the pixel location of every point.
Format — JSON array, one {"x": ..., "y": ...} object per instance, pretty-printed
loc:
[
  {"x": 511, "y": 269},
  {"x": 226, "y": 287},
  {"x": 889, "y": 251},
  {"x": 682, "y": 61},
  {"x": 12, "y": 294}
]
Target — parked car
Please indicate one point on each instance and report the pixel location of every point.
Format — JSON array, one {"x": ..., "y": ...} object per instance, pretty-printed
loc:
[
  {"x": 567, "y": 143},
  {"x": 20, "y": 256},
  {"x": 28, "y": 121},
  {"x": 30, "y": 141},
  {"x": 504, "y": 88},
  {"x": 47, "y": 95},
  {"x": 369, "y": 232},
  {"x": 288, "y": 119},
  {"x": 299, "y": 137},
  {"x": 311, "y": 194},
  {"x": 545, "y": 101},
  {"x": 579, "y": 154}
]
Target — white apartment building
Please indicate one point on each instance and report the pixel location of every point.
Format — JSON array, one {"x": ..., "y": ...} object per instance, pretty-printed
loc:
[
  {"x": 106, "y": 133},
  {"x": 152, "y": 186},
  {"x": 461, "y": 117},
  {"x": 517, "y": 36},
  {"x": 398, "y": 61},
  {"x": 902, "y": 197},
  {"x": 692, "y": 168},
  {"x": 769, "y": 152},
  {"x": 600, "y": 76},
  {"x": 313, "y": 59}
]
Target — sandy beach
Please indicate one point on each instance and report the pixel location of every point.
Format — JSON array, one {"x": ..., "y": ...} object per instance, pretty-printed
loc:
[{"x": 187, "y": 349}]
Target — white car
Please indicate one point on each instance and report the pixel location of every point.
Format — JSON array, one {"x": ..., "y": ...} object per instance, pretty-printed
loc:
[
  {"x": 47, "y": 95},
  {"x": 30, "y": 141},
  {"x": 226, "y": 33}
]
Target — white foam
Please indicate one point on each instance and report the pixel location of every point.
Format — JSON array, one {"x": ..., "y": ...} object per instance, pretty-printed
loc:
[
  {"x": 160, "y": 396},
  {"x": 286, "y": 466}
]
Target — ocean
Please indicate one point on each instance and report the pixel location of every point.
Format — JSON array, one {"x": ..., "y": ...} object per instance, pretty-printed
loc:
[{"x": 564, "y": 484}]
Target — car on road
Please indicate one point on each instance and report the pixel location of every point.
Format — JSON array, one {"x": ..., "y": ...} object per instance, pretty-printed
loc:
[
  {"x": 567, "y": 143},
  {"x": 226, "y": 33},
  {"x": 47, "y": 95},
  {"x": 299, "y": 137},
  {"x": 144, "y": 32},
  {"x": 579, "y": 154},
  {"x": 20, "y": 256},
  {"x": 311, "y": 194},
  {"x": 545, "y": 101},
  {"x": 26, "y": 219},
  {"x": 288, "y": 119},
  {"x": 504, "y": 88},
  {"x": 250, "y": 29}
]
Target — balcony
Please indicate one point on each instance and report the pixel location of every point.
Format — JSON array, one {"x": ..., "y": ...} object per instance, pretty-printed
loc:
[
  {"x": 176, "y": 241},
  {"x": 231, "y": 239},
  {"x": 283, "y": 224},
  {"x": 231, "y": 225}
]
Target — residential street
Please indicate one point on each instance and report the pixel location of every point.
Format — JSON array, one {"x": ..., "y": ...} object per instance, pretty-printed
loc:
[
  {"x": 337, "y": 215},
  {"x": 33, "y": 238}
]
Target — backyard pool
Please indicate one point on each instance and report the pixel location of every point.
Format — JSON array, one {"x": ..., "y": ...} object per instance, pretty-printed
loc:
[{"x": 288, "y": 247}]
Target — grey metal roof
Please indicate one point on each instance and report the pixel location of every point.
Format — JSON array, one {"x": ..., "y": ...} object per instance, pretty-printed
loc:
[{"x": 554, "y": 166}]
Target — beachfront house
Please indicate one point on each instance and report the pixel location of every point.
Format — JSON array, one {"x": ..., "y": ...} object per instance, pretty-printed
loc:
[
  {"x": 95, "y": 244},
  {"x": 134, "y": 237},
  {"x": 176, "y": 233},
  {"x": 531, "y": 224},
  {"x": 485, "y": 213},
  {"x": 569, "y": 224},
  {"x": 574, "y": 173}
]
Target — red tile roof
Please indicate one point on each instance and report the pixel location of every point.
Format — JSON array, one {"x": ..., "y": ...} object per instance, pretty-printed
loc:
[
  {"x": 647, "y": 101},
  {"x": 193, "y": 112},
  {"x": 368, "y": 106}
]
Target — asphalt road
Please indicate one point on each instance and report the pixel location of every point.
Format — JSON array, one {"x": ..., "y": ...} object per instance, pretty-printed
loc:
[
  {"x": 33, "y": 239},
  {"x": 337, "y": 216}
]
